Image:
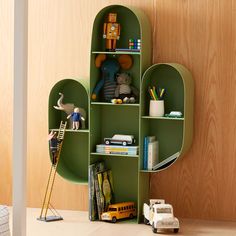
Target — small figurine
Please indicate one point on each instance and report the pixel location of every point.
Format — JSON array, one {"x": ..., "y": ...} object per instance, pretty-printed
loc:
[
  {"x": 124, "y": 90},
  {"x": 76, "y": 117},
  {"x": 111, "y": 32},
  {"x": 68, "y": 108},
  {"x": 53, "y": 144}
]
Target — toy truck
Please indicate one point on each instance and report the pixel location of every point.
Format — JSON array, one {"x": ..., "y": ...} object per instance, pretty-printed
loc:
[{"x": 160, "y": 216}]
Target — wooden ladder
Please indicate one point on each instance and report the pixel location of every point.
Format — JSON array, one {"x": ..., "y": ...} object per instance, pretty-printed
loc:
[{"x": 47, "y": 197}]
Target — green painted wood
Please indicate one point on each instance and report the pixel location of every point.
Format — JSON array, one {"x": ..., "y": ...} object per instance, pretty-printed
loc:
[
  {"x": 73, "y": 164},
  {"x": 174, "y": 134},
  {"x": 109, "y": 119}
]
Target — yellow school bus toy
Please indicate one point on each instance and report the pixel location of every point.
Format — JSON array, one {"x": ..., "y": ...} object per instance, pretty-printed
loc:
[{"x": 119, "y": 211}]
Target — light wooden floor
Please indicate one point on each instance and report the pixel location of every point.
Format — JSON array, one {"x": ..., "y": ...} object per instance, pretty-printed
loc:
[{"x": 77, "y": 224}]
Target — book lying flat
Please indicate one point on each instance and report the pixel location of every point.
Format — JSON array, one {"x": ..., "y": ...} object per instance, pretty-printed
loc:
[
  {"x": 117, "y": 149},
  {"x": 166, "y": 161}
]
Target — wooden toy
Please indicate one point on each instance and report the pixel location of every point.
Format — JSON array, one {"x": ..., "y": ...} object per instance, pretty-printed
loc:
[
  {"x": 69, "y": 109},
  {"x": 160, "y": 216},
  {"x": 53, "y": 144},
  {"x": 77, "y": 118},
  {"x": 120, "y": 139},
  {"x": 111, "y": 32}
]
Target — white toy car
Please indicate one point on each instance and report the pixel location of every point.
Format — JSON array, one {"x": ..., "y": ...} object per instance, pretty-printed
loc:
[
  {"x": 160, "y": 216},
  {"x": 120, "y": 139}
]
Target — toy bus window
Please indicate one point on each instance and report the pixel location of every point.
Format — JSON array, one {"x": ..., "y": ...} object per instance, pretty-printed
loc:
[
  {"x": 112, "y": 209},
  {"x": 122, "y": 208},
  {"x": 119, "y": 209}
]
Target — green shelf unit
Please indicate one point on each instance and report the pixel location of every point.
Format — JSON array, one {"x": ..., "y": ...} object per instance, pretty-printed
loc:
[
  {"x": 174, "y": 134},
  {"x": 104, "y": 119},
  {"x": 73, "y": 164},
  {"x": 107, "y": 119}
]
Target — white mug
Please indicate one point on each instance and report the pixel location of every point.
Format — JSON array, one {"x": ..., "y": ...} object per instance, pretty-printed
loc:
[{"x": 156, "y": 108}]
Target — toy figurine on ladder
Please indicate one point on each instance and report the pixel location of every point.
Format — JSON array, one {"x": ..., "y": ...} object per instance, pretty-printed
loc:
[{"x": 55, "y": 148}]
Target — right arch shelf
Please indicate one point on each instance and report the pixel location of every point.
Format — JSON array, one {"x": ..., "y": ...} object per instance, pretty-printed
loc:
[{"x": 173, "y": 134}]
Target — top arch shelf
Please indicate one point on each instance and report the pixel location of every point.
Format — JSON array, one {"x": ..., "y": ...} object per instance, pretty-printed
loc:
[{"x": 134, "y": 25}]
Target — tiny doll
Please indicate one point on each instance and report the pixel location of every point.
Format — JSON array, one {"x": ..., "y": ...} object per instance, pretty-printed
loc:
[
  {"x": 53, "y": 144},
  {"x": 76, "y": 118}
]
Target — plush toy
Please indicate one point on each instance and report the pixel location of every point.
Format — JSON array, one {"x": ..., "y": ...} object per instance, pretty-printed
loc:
[
  {"x": 76, "y": 117},
  {"x": 124, "y": 90},
  {"x": 109, "y": 68}
]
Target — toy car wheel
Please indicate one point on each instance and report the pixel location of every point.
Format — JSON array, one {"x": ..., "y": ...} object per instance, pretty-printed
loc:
[
  {"x": 131, "y": 216},
  {"x": 107, "y": 142},
  {"x": 154, "y": 230},
  {"x": 113, "y": 219},
  {"x": 176, "y": 230},
  {"x": 124, "y": 143}
]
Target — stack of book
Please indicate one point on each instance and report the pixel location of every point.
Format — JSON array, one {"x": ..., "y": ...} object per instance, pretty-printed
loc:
[
  {"x": 150, "y": 152},
  {"x": 117, "y": 149}
]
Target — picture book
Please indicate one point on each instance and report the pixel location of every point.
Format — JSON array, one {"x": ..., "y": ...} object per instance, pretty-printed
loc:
[
  {"x": 104, "y": 191},
  {"x": 93, "y": 170}
]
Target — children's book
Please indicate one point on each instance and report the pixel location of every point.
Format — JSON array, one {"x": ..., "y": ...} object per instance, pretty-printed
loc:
[
  {"x": 104, "y": 191},
  {"x": 153, "y": 153},
  {"x": 93, "y": 170},
  {"x": 147, "y": 139}
]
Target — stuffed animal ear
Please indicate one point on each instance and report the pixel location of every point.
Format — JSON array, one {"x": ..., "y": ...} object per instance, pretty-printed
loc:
[
  {"x": 99, "y": 60},
  {"x": 126, "y": 61}
]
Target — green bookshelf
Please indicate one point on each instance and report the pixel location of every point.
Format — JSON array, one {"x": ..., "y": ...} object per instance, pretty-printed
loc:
[{"x": 104, "y": 119}]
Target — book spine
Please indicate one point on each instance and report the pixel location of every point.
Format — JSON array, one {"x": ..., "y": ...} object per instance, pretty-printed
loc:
[
  {"x": 152, "y": 154},
  {"x": 145, "y": 153},
  {"x": 92, "y": 197},
  {"x": 93, "y": 170}
]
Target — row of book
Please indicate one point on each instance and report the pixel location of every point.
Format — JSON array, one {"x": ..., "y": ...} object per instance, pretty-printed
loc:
[
  {"x": 150, "y": 152},
  {"x": 101, "y": 192},
  {"x": 151, "y": 160},
  {"x": 117, "y": 149}
]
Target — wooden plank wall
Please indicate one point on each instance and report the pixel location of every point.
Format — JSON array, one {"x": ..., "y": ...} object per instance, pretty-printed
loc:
[
  {"x": 6, "y": 91},
  {"x": 200, "y": 34}
]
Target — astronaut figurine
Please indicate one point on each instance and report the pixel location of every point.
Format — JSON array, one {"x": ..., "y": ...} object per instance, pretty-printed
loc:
[{"x": 111, "y": 32}]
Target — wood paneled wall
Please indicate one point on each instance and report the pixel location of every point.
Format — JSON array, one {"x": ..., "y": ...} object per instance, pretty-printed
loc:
[
  {"x": 6, "y": 87},
  {"x": 200, "y": 34}
]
